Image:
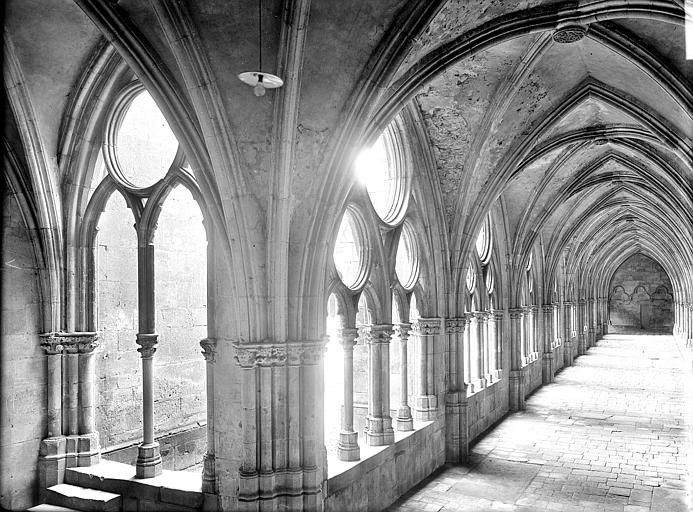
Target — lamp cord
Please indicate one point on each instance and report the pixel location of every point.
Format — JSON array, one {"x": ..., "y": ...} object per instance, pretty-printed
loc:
[{"x": 259, "y": 31}]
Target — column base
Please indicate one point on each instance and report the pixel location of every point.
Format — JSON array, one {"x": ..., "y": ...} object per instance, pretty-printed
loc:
[
  {"x": 61, "y": 452},
  {"x": 517, "y": 390},
  {"x": 379, "y": 431},
  {"x": 456, "y": 442},
  {"x": 567, "y": 353},
  {"x": 208, "y": 473},
  {"x": 348, "y": 447},
  {"x": 149, "y": 462},
  {"x": 404, "y": 420},
  {"x": 425, "y": 407},
  {"x": 547, "y": 368}
]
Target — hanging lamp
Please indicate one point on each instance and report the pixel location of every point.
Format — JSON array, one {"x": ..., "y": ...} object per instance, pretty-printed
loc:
[{"x": 259, "y": 80}]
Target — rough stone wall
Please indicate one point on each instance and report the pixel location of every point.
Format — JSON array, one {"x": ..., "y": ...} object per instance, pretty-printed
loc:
[
  {"x": 23, "y": 364},
  {"x": 640, "y": 297},
  {"x": 181, "y": 319}
]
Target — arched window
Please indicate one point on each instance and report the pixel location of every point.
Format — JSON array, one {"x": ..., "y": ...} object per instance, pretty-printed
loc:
[{"x": 150, "y": 289}]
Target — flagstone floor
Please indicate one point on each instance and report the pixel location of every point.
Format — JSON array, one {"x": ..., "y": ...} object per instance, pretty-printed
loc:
[{"x": 613, "y": 433}]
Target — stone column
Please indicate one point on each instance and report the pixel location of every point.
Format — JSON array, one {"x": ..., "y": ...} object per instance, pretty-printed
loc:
[
  {"x": 466, "y": 349},
  {"x": 582, "y": 339},
  {"x": 281, "y": 388},
  {"x": 481, "y": 317},
  {"x": 517, "y": 387},
  {"x": 149, "y": 462},
  {"x": 54, "y": 407},
  {"x": 533, "y": 336},
  {"x": 405, "y": 421},
  {"x": 474, "y": 352},
  {"x": 547, "y": 365},
  {"x": 72, "y": 356},
  {"x": 523, "y": 337},
  {"x": 591, "y": 335},
  {"x": 348, "y": 446},
  {"x": 148, "y": 455},
  {"x": 88, "y": 450},
  {"x": 379, "y": 430},
  {"x": 689, "y": 339},
  {"x": 209, "y": 347},
  {"x": 498, "y": 315},
  {"x": 456, "y": 438},
  {"x": 567, "y": 334},
  {"x": 604, "y": 314},
  {"x": 424, "y": 331},
  {"x": 491, "y": 347}
]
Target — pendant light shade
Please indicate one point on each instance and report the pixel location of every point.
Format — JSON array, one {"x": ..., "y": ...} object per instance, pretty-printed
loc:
[{"x": 259, "y": 80}]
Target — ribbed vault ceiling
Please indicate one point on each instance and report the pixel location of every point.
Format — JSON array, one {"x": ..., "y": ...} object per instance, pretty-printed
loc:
[{"x": 586, "y": 144}]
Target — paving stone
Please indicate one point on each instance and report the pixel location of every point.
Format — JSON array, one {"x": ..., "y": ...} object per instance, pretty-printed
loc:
[{"x": 609, "y": 435}]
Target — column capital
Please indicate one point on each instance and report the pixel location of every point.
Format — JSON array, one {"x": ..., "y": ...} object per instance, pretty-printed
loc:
[
  {"x": 376, "y": 333},
  {"x": 51, "y": 343},
  {"x": 454, "y": 325},
  {"x": 147, "y": 343},
  {"x": 481, "y": 315},
  {"x": 401, "y": 330},
  {"x": 582, "y": 302},
  {"x": 69, "y": 342},
  {"x": 209, "y": 349},
  {"x": 547, "y": 308},
  {"x": 498, "y": 314},
  {"x": 516, "y": 313},
  {"x": 590, "y": 301},
  {"x": 251, "y": 355},
  {"x": 348, "y": 337},
  {"x": 427, "y": 326}
]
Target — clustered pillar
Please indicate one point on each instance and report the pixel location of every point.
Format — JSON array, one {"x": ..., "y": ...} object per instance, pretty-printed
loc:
[
  {"x": 547, "y": 367},
  {"x": 379, "y": 423},
  {"x": 71, "y": 439},
  {"x": 286, "y": 473},
  {"x": 423, "y": 333},
  {"x": 517, "y": 387},
  {"x": 405, "y": 421}
]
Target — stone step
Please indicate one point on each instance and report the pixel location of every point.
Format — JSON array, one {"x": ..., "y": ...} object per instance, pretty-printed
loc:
[
  {"x": 81, "y": 498},
  {"x": 45, "y": 507}
]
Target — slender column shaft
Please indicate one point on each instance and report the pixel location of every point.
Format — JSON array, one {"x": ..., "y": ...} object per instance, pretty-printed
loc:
[
  {"x": 148, "y": 458},
  {"x": 491, "y": 345},
  {"x": 379, "y": 431},
  {"x": 498, "y": 314},
  {"x": 467, "y": 348},
  {"x": 208, "y": 467},
  {"x": 54, "y": 351},
  {"x": 348, "y": 446},
  {"x": 404, "y": 418},
  {"x": 72, "y": 388},
  {"x": 423, "y": 355},
  {"x": 87, "y": 423},
  {"x": 523, "y": 336}
]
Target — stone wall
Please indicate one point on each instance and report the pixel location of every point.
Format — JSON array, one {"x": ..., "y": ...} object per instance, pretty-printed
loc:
[
  {"x": 532, "y": 374},
  {"x": 23, "y": 363},
  {"x": 379, "y": 480},
  {"x": 486, "y": 407},
  {"x": 181, "y": 319},
  {"x": 640, "y": 297},
  {"x": 179, "y": 450}
]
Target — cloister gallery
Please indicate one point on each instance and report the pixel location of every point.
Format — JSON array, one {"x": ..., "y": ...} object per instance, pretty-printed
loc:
[{"x": 318, "y": 291}]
